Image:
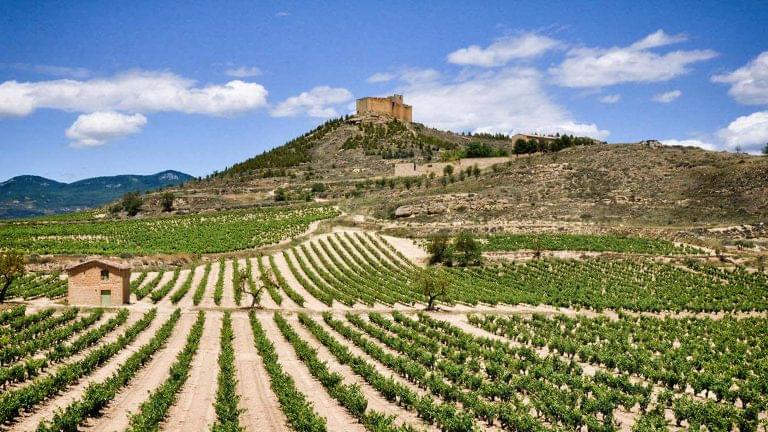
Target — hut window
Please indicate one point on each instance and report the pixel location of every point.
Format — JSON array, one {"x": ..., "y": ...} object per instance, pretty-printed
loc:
[{"x": 105, "y": 275}]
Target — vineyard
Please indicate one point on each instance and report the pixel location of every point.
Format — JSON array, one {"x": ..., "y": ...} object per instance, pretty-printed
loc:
[
  {"x": 379, "y": 371},
  {"x": 342, "y": 342},
  {"x": 200, "y": 233},
  {"x": 592, "y": 243}
]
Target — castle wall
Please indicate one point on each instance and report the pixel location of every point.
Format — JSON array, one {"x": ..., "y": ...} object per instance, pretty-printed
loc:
[{"x": 392, "y": 106}]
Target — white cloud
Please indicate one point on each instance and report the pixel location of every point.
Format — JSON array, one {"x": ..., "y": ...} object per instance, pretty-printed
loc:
[
  {"x": 415, "y": 76},
  {"x": 380, "y": 77},
  {"x": 507, "y": 100},
  {"x": 598, "y": 67},
  {"x": 503, "y": 50},
  {"x": 283, "y": 14},
  {"x": 136, "y": 91},
  {"x": 610, "y": 99},
  {"x": 690, "y": 143},
  {"x": 96, "y": 129},
  {"x": 657, "y": 39},
  {"x": 749, "y": 83},
  {"x": 316, "y": 102},
  {"x": 243, "y": 72},
  {"x": 667, "y": 97},
  {"x": 748, "y": 132}
]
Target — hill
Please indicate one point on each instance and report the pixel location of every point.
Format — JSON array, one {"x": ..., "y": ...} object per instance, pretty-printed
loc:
[
  {"x": 27, "y": 195},
  {"x": 352, "y": 161}
]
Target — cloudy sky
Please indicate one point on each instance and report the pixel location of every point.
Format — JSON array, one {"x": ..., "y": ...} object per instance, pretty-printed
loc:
[{"x": 101, "y": 88}]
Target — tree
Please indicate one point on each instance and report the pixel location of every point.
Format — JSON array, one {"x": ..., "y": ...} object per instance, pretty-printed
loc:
[
  {"x": 250, "y": 287},
  {"x": 166, "y": 201},
  {"x": 434, "y": 285},
  {"x": 467, "y": 249},
  {"x": 280, "y": 194},
  {"x": 11, "y": 267},
  {"x": 131, "y": 203},
  {"x": 765, "y": 149},
  {"x": 448, "y": 170},
  {"x": 439, "y": 247},
  {"x": 318, "y": 187}
]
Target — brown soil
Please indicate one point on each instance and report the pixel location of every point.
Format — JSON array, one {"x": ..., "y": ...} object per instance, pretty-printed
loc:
[
  {"x": 194, "y": 406},
  {"x": 310, "y": 302},
  {"x": 261, "y": 409},
  {"x": 338, "y": 419},
  {"x": 46, "y": 410},
  {"x": 375, "y": 400},
  {"x": 186, "y": 302},
  {"x": 207, "y": 301},
  {"x": 116, "y": 415},
  {"x": 228, "y": 295}
]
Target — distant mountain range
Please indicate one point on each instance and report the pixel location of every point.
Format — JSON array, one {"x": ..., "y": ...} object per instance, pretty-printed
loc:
[{"x": 28, "y": 195}]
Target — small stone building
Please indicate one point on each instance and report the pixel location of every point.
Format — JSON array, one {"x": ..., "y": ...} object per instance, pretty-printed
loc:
[
  {"x": 392, "y": 105},
  {"x": 99, "y": 283}
]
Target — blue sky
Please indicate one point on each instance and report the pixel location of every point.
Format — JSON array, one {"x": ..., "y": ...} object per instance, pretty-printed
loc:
[{"x": 101, "y": 88}]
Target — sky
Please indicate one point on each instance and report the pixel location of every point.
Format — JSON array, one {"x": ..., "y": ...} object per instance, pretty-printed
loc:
[{"x": 90, "y": 88}]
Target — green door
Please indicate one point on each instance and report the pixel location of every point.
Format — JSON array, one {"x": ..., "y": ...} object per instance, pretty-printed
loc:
[{"x": 106, "y": 298}]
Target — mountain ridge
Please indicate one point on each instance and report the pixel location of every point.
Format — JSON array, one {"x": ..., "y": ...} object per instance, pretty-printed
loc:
[{"x": 32, "y": 195}]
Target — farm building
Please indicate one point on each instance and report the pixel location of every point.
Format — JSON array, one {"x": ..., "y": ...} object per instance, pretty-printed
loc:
[{"x": 99, "y": 283}]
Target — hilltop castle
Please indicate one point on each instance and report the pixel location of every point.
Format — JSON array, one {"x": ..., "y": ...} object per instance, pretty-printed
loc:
[{"x": 392, "y": 105}]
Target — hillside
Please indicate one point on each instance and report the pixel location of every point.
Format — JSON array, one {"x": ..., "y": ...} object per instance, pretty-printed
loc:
[
  {"x": 351, "y": 161},
  {"x": 25, "y": 196}
]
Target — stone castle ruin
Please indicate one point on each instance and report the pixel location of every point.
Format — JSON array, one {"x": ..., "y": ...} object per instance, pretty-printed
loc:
[{"x": 391, "y": 105}]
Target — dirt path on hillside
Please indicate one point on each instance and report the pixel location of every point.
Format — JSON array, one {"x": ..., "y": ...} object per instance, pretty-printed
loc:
[
  {"x": 194, "y": 408},
  {"x": 228, "y": 295},
  {"x": 116, "y": 415},
  {"x": 47, "y": 409},
  {"x": 375, "y": 400},
  {"x": 186, "y": 302},
  {"x": 261, "y": 408},
  {"x": 409, "y": 249},
  {"x": 306, "y": 234},
  {"x": 338, "y": 419},
  {"x": 207, "y": 301},
  {"x": 310, "y": 302}
]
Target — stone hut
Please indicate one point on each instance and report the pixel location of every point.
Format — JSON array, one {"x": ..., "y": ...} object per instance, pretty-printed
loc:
[
  {"x": 392, "y": 105},
  {"x": 99, "y": 283}
]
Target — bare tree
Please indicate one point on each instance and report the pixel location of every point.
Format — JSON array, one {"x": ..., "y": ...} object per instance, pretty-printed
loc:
[{"x": 251, "y": 287}]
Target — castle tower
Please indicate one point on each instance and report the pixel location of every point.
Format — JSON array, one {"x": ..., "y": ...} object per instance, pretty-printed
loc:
[{"x": 392, "y": 106}]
